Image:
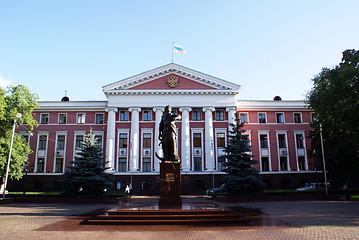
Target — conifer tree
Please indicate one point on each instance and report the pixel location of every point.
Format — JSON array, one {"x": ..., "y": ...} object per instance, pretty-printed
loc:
[
  {"x": 86, "y": 176},
  {"x": 242, "y": 178}
]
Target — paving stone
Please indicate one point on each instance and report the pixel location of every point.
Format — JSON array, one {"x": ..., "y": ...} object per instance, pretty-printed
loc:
[{"x": 316, "y": 220}]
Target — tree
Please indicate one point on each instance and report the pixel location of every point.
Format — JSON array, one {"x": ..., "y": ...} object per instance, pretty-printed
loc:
[
  {"x": 242, "y": 178},
  {"x": 13, "y": 100},
  {"x": 335, "y": 101},
  {"x": 87, "y": 176}
]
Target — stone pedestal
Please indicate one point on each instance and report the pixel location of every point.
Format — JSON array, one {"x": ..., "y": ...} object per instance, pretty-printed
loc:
[{"x": 170, "y": 185}]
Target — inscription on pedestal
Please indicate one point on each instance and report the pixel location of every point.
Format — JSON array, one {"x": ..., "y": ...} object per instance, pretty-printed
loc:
[{"x": 170, "y": 177}]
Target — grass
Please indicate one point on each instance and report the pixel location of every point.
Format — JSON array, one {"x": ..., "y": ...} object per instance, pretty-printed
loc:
[
  {"x": 33, "y": 194},
  {"x": 280, "y": 192},
  {"x": 53, "y": 194},
  {"x": 354, "y": 197}
]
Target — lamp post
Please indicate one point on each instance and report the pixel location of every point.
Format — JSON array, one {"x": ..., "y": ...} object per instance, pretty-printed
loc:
[
  {"x": 324, "y": 168},
  {"x": 18, "y": 115}
]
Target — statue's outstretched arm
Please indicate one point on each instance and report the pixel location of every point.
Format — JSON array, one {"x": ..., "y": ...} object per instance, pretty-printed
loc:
[{"x": 178, "y": 117}]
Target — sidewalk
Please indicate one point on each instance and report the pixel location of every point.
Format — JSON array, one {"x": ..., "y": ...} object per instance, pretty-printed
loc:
[{"x": 309, "y": 220}]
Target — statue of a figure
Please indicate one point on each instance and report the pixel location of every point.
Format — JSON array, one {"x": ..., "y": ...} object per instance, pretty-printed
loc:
[{"x": 168, "y": 135}]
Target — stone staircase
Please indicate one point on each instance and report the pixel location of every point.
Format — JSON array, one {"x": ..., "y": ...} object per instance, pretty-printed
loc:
[{"x": 168, "y": 217}]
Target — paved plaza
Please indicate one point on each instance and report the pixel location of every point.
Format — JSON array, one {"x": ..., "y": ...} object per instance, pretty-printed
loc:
[{"x": 282, "y": 220}]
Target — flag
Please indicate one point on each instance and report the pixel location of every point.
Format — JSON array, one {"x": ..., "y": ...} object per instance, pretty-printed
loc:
[{"x": 178, "y": 49}]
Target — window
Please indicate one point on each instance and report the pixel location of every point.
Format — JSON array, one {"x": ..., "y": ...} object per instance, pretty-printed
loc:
[
  {"x": 299, "y": 139},
  {"x": 280, "y": 117},
  {"x": 78, "y": 141},
  {"x": 59, "y": 165},
  {"x": 80, "y": 118},
  {"x": 146, "y": 140},
  {"x": 197, "y": 140},
  {"x": 60, "y": 142},
  {"x": 98, "y": 139},
  {"x": 122, "y": 164},
  {"x": 264, "y": 141},
  {"x": 282, "y": 141},
  {"x": 301, "y": 163},
  {"x": 146, "y": 164},
  {"x": 265, "y": 164},
  {"x": 123, "y": 155},
  {"x": 283, "y": 164},
  {"x": 123, "y": 115},
  {"x": 219, "y": 115},
  {"x": 42, "y": 142},
  {"x": 196, "y": 115},
  {"x": 44, "y": 118},
  {"x": 221, "y": 140},
  {"x": 197, "y": 151},
  {"x": 59, "y": 160},
  {"x": 297, "y": 118},
  {"x": 62, "y": 118},
  {"x": 40, "y": 165},
  {"x": 99, "y": 118},
  {"x": 123, "y": 140},
  {"x": 221, "y": 161},
  {"x": 146, "y": 152},
  {"x": 197, "y": 162},
  {"x": 147, "y": 115},
  {"x": 262, "y": 118},
  {"x": 243, "y": 117}
]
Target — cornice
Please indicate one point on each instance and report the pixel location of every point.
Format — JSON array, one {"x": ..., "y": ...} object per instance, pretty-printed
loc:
[
  {"x": 263, "y": 104},
  {"x": 71, "y": 105},
  {"x": 171, "y": 92}
]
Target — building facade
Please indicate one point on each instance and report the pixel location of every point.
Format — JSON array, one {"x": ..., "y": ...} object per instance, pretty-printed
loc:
[{"x": 126, "y": 127}]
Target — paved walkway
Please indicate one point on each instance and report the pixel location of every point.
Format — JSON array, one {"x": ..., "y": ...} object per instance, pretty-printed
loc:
[{"x": 306, "y": 220}]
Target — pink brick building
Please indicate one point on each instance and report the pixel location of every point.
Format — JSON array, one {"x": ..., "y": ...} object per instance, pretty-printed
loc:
[{"x": 126, "y": 126}]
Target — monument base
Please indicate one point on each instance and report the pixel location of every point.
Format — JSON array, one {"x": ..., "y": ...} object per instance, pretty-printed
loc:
[{"x": 170, "y": 185}]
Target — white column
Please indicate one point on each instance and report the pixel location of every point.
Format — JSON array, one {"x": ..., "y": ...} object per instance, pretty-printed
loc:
[
  {"x": 185, "y": 139},
  {"x": 208, "y": 138},
  {"x": 158, "y": 148},
  {"x": 110, "y": 140},
  {"x": 231, "y": 117},
  {"x": 135, "y": 138}
]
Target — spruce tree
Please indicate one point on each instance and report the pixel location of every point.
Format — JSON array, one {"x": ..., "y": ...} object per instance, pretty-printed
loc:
[
  {"x": 242, "y": 178},
  {"x": 87, "y": 175}
]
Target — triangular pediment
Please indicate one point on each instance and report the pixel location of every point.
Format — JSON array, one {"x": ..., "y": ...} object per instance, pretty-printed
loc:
[
  {"x": 171, "y": 77},
  {"x": 173, "y": 81}
]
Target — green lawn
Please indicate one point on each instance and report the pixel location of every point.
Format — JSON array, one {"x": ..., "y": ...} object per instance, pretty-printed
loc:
[{"x": 53, "y": 194}]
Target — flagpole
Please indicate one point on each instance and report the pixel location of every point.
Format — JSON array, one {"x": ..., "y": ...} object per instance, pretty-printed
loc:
[{"x": 173, "y": 46}]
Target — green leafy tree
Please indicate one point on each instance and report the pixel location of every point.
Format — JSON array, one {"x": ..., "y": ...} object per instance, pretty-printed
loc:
[
  {"x": 13, "y": 100},
  {"x": 87, "y": 176},
  {"x": 242, "y": 178},
  {"x": 335, "y": 100}
]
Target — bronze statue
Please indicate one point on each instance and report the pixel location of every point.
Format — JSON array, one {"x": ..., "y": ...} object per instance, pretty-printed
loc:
[{"x": 168, "y": 135}]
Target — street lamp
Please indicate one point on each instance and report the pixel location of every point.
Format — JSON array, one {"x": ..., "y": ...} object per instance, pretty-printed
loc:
[
  {"x": 18, "y": 115},
  {"x": 324, "y": 168}
]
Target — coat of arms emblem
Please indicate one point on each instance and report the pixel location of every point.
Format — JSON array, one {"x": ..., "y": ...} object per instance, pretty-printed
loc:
[{"x": 172, "y": 81}]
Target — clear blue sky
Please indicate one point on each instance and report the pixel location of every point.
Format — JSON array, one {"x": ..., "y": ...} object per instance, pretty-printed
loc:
[{"x": 268, "y": 47}]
